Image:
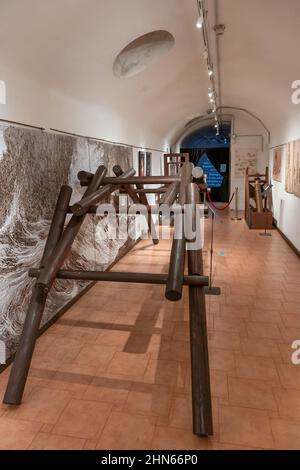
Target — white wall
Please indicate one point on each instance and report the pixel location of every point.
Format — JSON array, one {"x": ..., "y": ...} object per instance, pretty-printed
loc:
[
  {"x": 286, "y": 206},
  {"x": 30, "y": 102}
]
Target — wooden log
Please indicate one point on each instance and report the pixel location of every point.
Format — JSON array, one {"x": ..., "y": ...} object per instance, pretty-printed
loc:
[
  {"x": 57, "y": 225},
  {"x": 176, "y": 270},
  {"x": 161, "y": 190},
  {"x": 171, "y": 194},
  {"x": 143, "y": 196},
  {"x": 151, "y": 225},
  {"x": 156, "y": 210},
  {"x": 113, "y": 276},
  {"x": 82, "y": 207},
  {"x": 186, "y": 177},
  {"x": 177, "y": 260},
  {"x": 85, "y": 178},
  {"x": 127, "y": 187},
  {"x": 139, "y": 200},
  {"x": 94, "y": 198},
  {"x": 20, "y": 368},
  {"x": 201, "y": 393},
  {"x": 96, "y": 181},
  {"x": 195, "y": 262},
  {"x": 152, "y": 229}
]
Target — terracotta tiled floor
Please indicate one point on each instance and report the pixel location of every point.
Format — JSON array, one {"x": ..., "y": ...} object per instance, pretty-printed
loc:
[{"x": 114, "y": 372}]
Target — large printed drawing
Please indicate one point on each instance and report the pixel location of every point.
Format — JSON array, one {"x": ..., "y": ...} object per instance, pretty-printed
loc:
[{"x": 33, "y": 167}]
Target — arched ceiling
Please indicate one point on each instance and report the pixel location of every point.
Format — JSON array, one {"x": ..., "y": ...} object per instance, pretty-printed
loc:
[
  {"x": 71, "y": 46},
  {"x": 206, "y": 138}
]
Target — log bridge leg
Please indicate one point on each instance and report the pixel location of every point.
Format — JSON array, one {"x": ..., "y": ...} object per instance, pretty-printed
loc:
[
  {"x": 138, "y": 199},
  {"x": 201, "y": 393}
]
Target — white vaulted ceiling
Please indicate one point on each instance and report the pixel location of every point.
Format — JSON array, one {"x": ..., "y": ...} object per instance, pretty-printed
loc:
[{"x": 70, "y": 46}]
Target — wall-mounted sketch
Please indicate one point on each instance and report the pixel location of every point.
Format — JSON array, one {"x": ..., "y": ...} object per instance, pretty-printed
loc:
[
  {"x": 289, "y": 169},
  {"x": 33, "y": 167},
  {"x": 277, "y": 164},
  {"x": 245, "y": 158},
  {"x": 297, "y": 168}
]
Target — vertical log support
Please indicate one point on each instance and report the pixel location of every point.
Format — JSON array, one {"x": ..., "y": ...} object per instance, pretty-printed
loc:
[
  {"x": 201, "y": 393},
  {"x": 177, "y": 259},
  {"x": 141, "y": 199},
  {"x": 151, "y": 224},
  {"x": 57, "y": 225},
  {"x": 56, "y": 249}
]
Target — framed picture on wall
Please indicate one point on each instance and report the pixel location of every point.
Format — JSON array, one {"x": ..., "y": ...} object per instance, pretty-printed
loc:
[
  {"x": 142, "y": 163},
  {"x": 148, "y": 164},
  {"x": 277, "y": 164}
]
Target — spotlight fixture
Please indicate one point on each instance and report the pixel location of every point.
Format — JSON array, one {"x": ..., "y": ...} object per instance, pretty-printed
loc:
[
  {"x": 212, "y": 100},
  {"x": 199, "y": 23},
  {"x": 210, "y": 72},
  {"x": 210, "y": 94}
]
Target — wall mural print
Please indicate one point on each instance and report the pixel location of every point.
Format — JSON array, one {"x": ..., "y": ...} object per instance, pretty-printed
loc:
[
  {"x": 277, "y": 164},
  {"x": 33, "y": 167},
  {"x": 245, "y": 158}
]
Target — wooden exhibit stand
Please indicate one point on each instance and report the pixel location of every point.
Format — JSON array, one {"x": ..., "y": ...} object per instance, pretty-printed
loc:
[
  {"x": 257, "y": 212},
  {"x": 173, "y": 162}
]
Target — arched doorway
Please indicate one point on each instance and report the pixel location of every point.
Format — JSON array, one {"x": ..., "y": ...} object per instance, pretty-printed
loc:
[{"x": 212, "y": 153}]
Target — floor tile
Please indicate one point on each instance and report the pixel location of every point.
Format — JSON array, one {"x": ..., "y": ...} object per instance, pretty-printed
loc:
[
  {"x": 83, "y": 419},
  {"x": 43, "y": 405},
  {"x": 127, "y": 432},
  {"x": 44, "y": 441},
  {"x": 247, "y": 427},
  {"x": 17, "y": 434}
]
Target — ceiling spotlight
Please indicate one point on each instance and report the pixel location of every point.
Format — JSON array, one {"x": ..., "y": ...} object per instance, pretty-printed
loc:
[
  {"x": 212, "y": 100},
  {"x": 210, "y": 72},
  {"x": 199, "y": 23},
  {"x": 216, "y": 126},
  {"x": 210, "y": 94}
]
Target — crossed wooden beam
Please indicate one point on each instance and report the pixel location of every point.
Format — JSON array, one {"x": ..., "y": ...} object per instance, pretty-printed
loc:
[{"x": 57, "y": 249}]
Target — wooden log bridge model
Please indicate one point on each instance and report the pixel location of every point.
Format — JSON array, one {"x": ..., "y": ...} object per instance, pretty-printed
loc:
[{"x": 60, "y": 239}]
